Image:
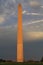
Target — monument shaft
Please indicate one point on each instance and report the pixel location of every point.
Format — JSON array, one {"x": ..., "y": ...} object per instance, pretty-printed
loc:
[{"x": 19, "y": 36}]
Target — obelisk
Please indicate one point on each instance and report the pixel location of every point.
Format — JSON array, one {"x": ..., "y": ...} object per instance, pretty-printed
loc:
[{"x": 19, "y": 36}]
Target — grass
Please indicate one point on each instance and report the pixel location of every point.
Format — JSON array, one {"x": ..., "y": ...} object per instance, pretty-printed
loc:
[{"x": 25, "y": 63}]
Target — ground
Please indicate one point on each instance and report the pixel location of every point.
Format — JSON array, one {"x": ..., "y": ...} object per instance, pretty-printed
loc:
[{"x": 25, "y": 63}]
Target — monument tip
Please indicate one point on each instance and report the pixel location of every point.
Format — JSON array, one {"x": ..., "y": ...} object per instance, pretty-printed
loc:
[{"x": 19, "y": 4}]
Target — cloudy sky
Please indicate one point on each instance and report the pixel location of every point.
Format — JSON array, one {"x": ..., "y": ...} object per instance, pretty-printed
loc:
[{"x": 32, "y": 11}]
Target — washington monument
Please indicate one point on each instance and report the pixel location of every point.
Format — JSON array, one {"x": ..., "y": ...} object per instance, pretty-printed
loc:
[{"x": 19, "y": 36}]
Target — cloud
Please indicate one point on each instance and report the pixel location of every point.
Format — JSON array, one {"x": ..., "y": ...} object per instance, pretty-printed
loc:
[
  {"x": 34, "y": 4},
  {"x": 41, "y": 6},
  {"x": 8, "y": 30},
  {"x": 33, "y": 36},
  {"x": 14, "y": 1},
  {"x": 35, "y": 14},
  {"x": 7, "y": 7},
  {"x": 24, "y": 12},
  {"x": 33, "y": 22},
  {"x": 2, "y": 19}
]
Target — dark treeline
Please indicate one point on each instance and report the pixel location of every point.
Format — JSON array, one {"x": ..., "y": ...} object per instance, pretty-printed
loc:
[
  {"x": 34, "y": 61},
  {"x": 3, "y": 60}
]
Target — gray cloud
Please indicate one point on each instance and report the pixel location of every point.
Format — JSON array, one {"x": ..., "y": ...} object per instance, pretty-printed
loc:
[
  {"x": 34, "y": 4},
  {"x": 7, "y": 7}
]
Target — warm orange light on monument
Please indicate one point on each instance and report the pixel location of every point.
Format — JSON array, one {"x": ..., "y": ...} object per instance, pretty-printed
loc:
[{"x": 19, "y": 36}]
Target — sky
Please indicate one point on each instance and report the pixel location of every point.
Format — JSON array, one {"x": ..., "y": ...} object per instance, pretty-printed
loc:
[{"x": 32, "y": 19}]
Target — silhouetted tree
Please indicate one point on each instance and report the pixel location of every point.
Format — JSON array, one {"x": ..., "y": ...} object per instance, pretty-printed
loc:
[
  {"x": 2, "y": 60},
  {"x": 41, "y": 59},
  {"x": 9, "y": 61}
]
